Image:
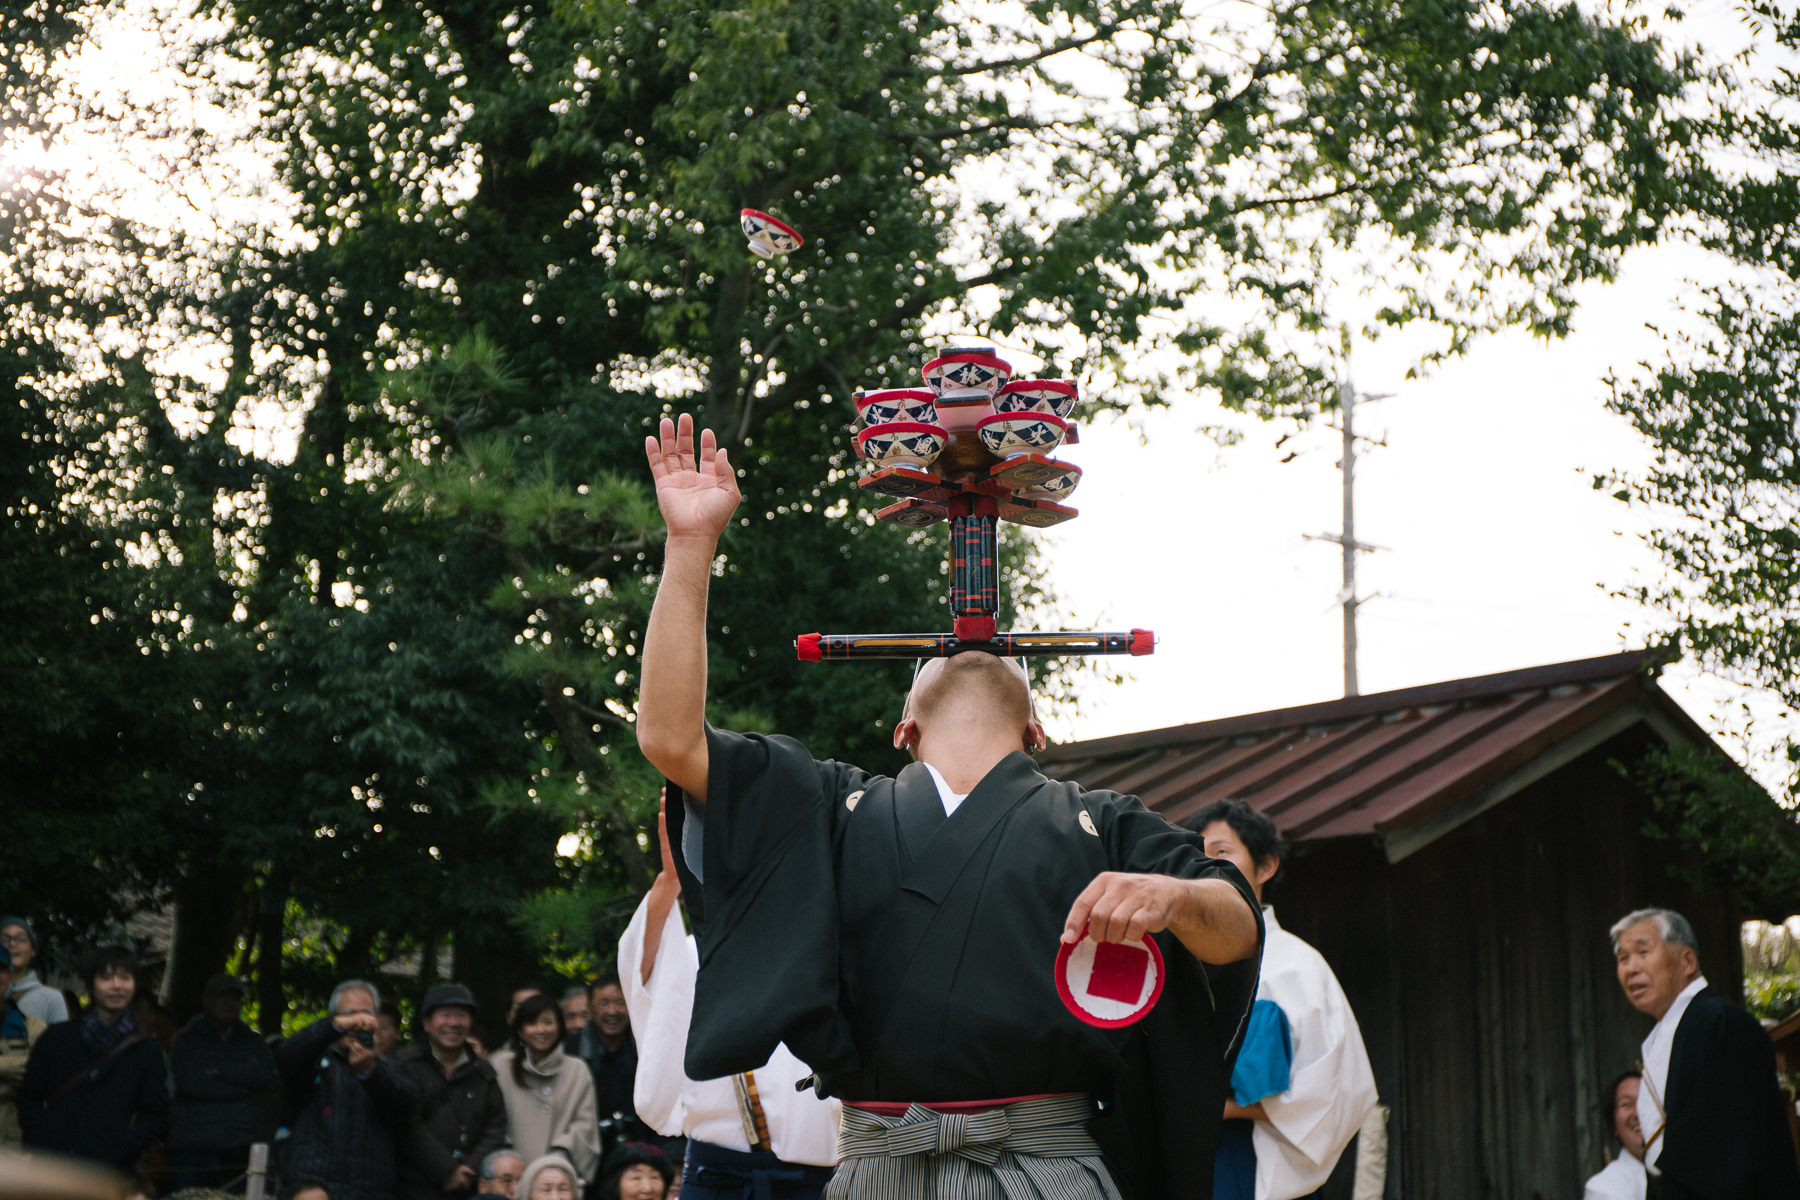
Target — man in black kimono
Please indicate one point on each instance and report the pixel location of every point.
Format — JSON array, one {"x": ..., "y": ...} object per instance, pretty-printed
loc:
[
  {"x": 1710, "y": 1105},
  {"x": 900, "y": 934}
]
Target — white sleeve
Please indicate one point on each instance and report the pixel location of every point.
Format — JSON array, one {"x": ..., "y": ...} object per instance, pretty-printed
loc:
[
  {"x": 1331, "y": 1085},
  {"x": 659, "y": 1017}
]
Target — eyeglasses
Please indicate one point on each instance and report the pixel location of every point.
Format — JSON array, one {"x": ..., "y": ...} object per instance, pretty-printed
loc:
[{"x": 16, "y": 939}]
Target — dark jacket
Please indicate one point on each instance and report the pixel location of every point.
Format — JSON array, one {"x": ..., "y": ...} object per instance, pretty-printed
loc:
[
  {"x": 459, "y": 1120},
  {"x": 1726, "y": 1136},
  {"x": 111, "y": 1116},
  {"x": 615, "y": 1076},
  {"x": 217, "y": 1081},
  {"x": 345, "y": 1129}
]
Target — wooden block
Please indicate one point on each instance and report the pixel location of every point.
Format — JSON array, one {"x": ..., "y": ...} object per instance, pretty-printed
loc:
[
  {"x": 1072, "y": 435},
  {"x": 906, "y": 481},
  {"x": 913, "y": 513},
  {"x": 1027, "y": 470},
  {"x": 1040, "y": 514}
]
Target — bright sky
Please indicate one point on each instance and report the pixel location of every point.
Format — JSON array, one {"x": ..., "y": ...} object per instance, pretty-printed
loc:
[{"x": 1500, "y": 553}]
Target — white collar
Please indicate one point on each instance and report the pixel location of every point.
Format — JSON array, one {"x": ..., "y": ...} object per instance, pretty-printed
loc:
[
  {"x": 951, "y": 799},
  {"x": 1269, "y": 921},
  {"x": 1672, "y": 1018}
]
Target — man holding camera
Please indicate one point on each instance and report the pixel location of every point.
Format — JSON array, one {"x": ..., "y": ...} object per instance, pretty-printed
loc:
[{"x": 347, "y": 1108}]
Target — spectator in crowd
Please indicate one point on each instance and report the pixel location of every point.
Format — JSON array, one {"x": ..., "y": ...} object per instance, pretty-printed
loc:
[
  {"x": 221, "y": 1067},
  {"x": 549, "y": 1095},
  {"x": 611, "y": 1053},
  {"x": 18, "y": 1034},
  {"x": 461, "y": 1119},
  {"x": 636, "y": 1171},
  {"x": 387, "y": 1034},
  {"x": 1623, "y": 1178},
  {"x": 1302, "y": 1085},
  {"x": 520, "y": 994},
  {"x": 548, "y": 1178},
  {"x": 1710, "y": 1105},
  {"x": 33, "y": 998},
  {"x": 97, "y": 1088},
  {"x": 575, "y": 1011},
  {"x": 350, "y": 1107},
  {"x": 500, "y": 1173}
]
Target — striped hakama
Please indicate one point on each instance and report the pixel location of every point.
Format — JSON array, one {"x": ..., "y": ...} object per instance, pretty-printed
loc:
[{"x": 1035, "y": 1149}]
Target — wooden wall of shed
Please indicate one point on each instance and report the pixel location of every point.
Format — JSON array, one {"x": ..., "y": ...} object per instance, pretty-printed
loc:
[{"x": 1482, "y": 978}]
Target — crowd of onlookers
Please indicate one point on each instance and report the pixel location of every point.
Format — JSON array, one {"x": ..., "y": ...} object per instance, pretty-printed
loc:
[{"x": 348, "y": 1113}]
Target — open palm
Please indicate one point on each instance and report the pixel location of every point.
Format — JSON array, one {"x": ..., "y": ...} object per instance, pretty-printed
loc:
[{"x": 697, "y": 493}]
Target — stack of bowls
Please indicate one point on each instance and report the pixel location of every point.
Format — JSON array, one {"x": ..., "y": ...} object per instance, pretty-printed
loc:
[{"x": 900, "y": 427}]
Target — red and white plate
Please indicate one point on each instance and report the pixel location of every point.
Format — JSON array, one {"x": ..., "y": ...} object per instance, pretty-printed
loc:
[
  {"x": 1109, "y": 984},
  {"x": 769, "y": 236}
]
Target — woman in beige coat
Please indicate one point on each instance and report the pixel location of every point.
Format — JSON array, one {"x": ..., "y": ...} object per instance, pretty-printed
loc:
[{"x": 549, "y": 1094}]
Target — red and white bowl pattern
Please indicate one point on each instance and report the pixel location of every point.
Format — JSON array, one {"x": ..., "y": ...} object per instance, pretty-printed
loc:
[
  {"x": 965, "y": 368},
  {"x": 769, "y": 236},
  {"x": 1055, "y": 396},
  {"x": 1010, "y": 434},
  {"x": 1109, "y": 984},
  {"x": 1052, "y": 489},
  {"x": 902, "y": 443},
  {"x": 898, "y": 404}
]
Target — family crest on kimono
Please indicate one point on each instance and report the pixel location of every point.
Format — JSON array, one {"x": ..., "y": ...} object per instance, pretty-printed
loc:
[{"x": 898, "y": 934}]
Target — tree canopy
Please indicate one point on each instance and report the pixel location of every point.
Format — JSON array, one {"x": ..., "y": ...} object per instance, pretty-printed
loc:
[{"x": 331, "y": 506}]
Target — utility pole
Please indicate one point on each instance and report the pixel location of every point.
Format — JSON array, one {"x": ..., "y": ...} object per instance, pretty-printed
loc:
[{"x": 1347, "y": 398}]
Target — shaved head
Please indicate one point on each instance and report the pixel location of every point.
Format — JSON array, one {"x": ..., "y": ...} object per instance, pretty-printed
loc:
[{"x": 973, "y": 688}]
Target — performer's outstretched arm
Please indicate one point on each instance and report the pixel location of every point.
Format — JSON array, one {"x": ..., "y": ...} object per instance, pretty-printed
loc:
[
  {"x": 1209, "y": 916},
  {"x": 697, "y": 494}
]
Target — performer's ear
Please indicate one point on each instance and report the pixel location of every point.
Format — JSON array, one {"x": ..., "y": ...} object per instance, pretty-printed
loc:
[
  {"x": 906, "y": 736},
  {"x": 1034, "y": 737}
]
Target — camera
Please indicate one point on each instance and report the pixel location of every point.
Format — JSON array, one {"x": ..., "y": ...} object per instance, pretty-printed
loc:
[{"x": 366, "y": 1037}]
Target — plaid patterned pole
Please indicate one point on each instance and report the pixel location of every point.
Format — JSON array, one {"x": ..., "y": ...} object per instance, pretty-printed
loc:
[{"x": 837, "y": 647}]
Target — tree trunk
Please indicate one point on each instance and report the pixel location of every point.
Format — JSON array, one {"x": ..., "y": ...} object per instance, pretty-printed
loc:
[
  {"x": 271, "y": 998},
  {"x": 209, "y": 902}
]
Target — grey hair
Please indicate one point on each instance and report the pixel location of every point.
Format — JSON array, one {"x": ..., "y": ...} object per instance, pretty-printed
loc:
[
  {"x": 354, "y": 985},
  {"x": 490, "y": 1166},
  {"x": 574, "y": 990},
  {"x": 1674, "y": 927}
]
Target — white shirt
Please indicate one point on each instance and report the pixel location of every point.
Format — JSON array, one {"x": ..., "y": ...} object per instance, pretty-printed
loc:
[
  {"x": 802, "y": 1127},
  {"x": 1656, "y": 1050},
  {"x": 1623, "y": 1179},
  {"x": 1331, "y": 1086},
  {"x": 951, "y": 799}
]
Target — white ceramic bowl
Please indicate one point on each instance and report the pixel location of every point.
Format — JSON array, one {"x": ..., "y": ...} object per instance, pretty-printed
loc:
[
  {"x": 1011, "y": 434},
  {"x": 964, "y": 368},
  {"x": 1055, "y": 396},
  {"x": 898, "y": 404},
  {"x": 768, "y": 236},
  {"x": 902, "y": 443},
  {"x": 1052, "y": 489}
]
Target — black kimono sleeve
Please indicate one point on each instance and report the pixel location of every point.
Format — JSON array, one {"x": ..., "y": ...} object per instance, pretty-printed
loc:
[
  {"x": 1170, "y": 1102},
  {"x": 764, "y": 901},
  {"x": 1726, "y": 1138}
]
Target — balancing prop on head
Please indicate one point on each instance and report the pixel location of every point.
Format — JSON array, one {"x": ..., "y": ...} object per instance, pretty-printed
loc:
[{"x": 899, "y": 935}]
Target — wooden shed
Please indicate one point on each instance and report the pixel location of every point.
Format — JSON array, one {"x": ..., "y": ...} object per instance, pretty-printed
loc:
[{"x": 1459, "y": 851}]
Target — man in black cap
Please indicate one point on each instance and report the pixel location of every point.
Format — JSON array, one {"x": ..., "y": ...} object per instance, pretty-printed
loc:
[
  {"x": 221, "y": 1067},
  {"x": 461, "y": 1117}
]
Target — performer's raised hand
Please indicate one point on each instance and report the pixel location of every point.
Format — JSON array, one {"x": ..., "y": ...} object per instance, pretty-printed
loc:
[
  {"x": 663, "y": 891},
  {"x": 697, "y": 492}
]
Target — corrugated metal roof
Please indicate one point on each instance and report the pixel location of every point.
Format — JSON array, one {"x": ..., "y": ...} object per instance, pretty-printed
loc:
[{"x": 1370, "y": 765}]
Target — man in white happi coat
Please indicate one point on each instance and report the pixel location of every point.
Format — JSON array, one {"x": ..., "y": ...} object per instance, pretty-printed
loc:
[
  {"x": 1321, "y": 1085},
  {"x": 748, "y": 1135},
  {"x": 1623, "y": 1178}
]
